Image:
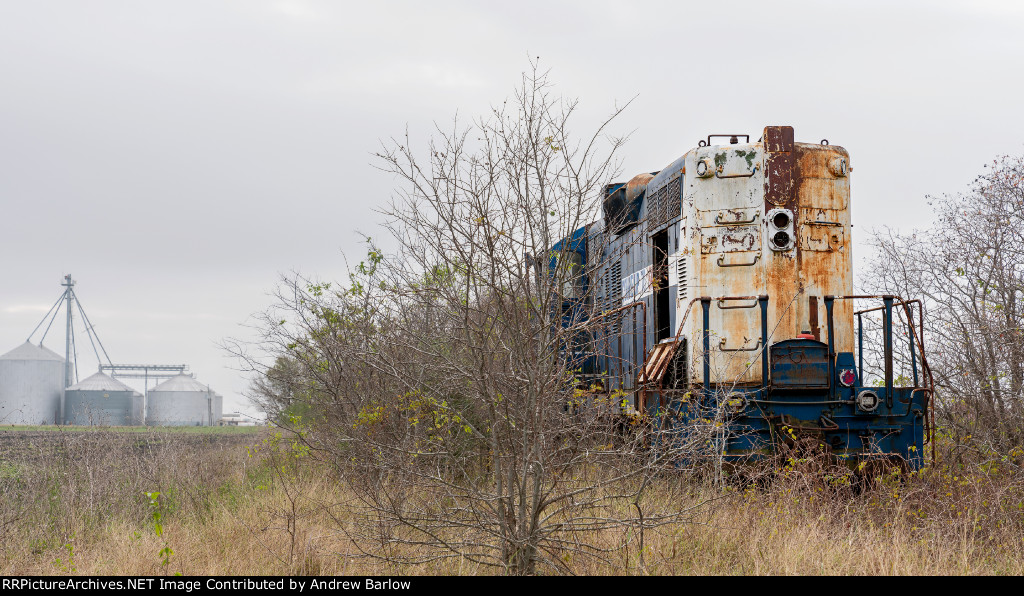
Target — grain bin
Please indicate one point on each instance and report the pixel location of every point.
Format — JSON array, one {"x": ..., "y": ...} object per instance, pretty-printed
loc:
[
  {"x": 183, "y": 401},
  {"x": 102, "y": 401},
  {"x": 31, "y": 385}
]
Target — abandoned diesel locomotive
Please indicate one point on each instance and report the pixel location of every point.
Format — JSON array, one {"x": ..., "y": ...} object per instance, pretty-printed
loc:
[{"x": 723, "y": 284}]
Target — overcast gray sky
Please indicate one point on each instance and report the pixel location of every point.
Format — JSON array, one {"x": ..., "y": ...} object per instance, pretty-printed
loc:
[{"x": 176, "y": 157}]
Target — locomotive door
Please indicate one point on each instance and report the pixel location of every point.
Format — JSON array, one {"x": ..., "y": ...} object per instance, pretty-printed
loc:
[{"x": 662, "y": 316}]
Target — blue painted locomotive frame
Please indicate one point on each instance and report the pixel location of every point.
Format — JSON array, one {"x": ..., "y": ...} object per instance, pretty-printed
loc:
[{"x": 809, "y": 390}]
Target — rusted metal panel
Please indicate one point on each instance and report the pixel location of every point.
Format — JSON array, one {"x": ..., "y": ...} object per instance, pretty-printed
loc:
[
  {"x": 730, "y": 239},
  {"x": 778, "y": 138},
  {"x": 801, "y": 363},
  {"x": 636, "y": 185},
  {"x": 813, "y": 306},
  {"x": 779, "y": 178},
  {"x": 822, "y": 236},
  {"x": 726, "y": 240},
  {"x": 780, "y": 164},
  {"x": 824, "y": 252},
  {"x": 734, "y": 217}
]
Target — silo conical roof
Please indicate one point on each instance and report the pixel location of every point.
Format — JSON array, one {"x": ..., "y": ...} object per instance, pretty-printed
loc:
[
  {"x": 100, "y": 382},
  {"x": 30, "y": 351},
  {"x": 180, "y": 382}
]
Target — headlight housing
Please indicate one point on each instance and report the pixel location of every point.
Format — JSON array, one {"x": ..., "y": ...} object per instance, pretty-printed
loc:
[{"x": 867, "y": 401}]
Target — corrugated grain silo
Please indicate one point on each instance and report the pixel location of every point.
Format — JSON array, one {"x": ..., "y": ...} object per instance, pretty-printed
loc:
[
  {"x": 102, "y": 401},
  {"x": 31, "y": 385},
  {"x": 183, "y": 401}
]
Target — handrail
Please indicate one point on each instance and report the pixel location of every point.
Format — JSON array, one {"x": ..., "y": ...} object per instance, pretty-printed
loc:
[
  {"x": 722, "y": 348},
  {"x": 917, "y": 338},
  {"x": 722, "y": 263},
  {"x": 736, "y": 222},
  {"x": 721, "y": 176},
  {"x": 763, "y": 300},
  {"x": 722, "y": 306},
  {"x": 929, "y": 379},
  {"x": 898, "y": 301}
]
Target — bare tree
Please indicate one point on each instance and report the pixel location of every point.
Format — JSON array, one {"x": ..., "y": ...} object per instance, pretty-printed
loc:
[
  {"x": 969, "y": 267},
  {"x": 443, "y": 380}
]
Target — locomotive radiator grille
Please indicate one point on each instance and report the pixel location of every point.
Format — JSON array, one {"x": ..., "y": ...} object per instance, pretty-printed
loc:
[
  {"x": 662, "y": 207},
  {"x": 652, "y": 210},
  {"x": 613, "y": 290},
  {"x": 681, "y": 290},
  {"x": 675, "y": 202},
  {"x": 665, "y": 204}
]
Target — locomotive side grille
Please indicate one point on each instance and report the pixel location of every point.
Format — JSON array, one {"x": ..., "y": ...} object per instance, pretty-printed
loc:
[
  {"x": 606, "y": 289},
  {"x": 652, "y": 209},
  {"x": 657, "y": 215},
  {"x": 662, "y": 206},
  {"x": 681, "y": 289},
  {"x": 675, "y": 198},
  {"x": 613, "y": 291},
  {"x": 665, "y": 204},
  {"x": 615, "y": 279}
]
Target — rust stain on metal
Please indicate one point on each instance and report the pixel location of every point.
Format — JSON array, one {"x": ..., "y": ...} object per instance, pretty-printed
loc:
[
  {"x": 730, "y": 239},
  {"x": 822, "y": 218},
  {"x": 728, "y": 257},
  {"x": 736, "y": 217},
  {"x": 739, "y": 239},
  {"x": 637, "y": 185},
  {"x": 778, "y": 138},
  {"x": 813, "y": 308},
  {"x": 779, "y": 164}
]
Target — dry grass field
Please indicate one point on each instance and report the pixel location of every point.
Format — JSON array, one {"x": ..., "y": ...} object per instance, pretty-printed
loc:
[{"x": 240, "y": 503}]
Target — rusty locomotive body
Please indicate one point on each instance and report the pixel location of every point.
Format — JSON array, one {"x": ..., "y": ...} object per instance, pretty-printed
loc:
[{"x": 720, "y": 289}]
